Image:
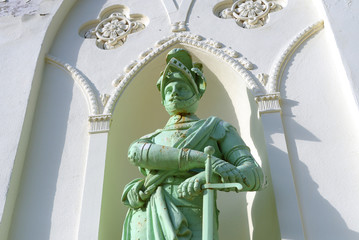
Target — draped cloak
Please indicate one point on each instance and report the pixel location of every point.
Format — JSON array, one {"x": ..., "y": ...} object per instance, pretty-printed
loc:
[{"x": 163, "y": 218}]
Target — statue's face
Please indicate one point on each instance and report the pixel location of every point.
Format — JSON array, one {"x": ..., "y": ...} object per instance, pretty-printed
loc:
[{"x": 179, "y": 96}]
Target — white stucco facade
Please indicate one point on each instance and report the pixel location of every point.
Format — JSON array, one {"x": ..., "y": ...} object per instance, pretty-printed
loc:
[{"x": 289, "y": 86}]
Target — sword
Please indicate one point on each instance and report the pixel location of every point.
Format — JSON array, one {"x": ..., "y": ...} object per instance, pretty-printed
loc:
[{"x": 208, "y": 196}]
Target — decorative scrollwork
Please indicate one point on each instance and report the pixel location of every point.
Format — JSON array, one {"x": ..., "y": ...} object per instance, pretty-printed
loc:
[
  {"x": 250, "y": 13},
  {"x": 111, "y": 31}
]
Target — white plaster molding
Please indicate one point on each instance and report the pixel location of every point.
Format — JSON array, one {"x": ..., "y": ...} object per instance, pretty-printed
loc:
[
  {"x": 117, "y": 80},
  {"x": 177, "y": 13},
  {"x": 263, "y": 78},
  {"x": 99, "y": 123},
  {"x": 248, "y": 13},
  {"x": 113, "y": 26},
  {"x": 104, "y": 98},
  {"x": 247, "y": 64},
  {"x": 112, "y": 31},
  {"x": 268, "y": 103},
  {"x": 129, "y": 67},
  {"x": 83, "y": 83},
  {"x": 238, "y": 64},
  {"x": 277, "y": 70}
]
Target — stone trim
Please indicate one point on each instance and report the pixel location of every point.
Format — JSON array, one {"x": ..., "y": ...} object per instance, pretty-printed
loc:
[
  {"x": 84, "y": 84},
  {"x": 99, "y": 123},
  {"x": 268, "y": 103},
  {"x": 239, "y": 64},
  {"x": 277, "y": 70}
]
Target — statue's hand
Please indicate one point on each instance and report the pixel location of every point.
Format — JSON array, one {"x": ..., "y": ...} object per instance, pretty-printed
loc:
[
  {"x": 134, "y": 153},
  {"x": 227, "y": 171},
  {"x": 191, "y": 187},
  {"x": 133, "y": 196}
]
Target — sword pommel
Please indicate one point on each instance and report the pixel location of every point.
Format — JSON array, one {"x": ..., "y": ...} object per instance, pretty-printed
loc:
[{"x": 209, "y": 150}]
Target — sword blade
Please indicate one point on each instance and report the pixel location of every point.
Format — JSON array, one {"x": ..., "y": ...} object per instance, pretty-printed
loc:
[{"x": 208, "y": 214}]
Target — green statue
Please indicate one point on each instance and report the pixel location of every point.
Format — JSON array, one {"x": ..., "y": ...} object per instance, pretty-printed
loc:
[{"x": 168, "y": 202}]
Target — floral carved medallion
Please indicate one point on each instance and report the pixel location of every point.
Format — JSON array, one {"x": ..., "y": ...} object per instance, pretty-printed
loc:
[
  {"x": 249, "y": 13},
  {"x": 112, "y": 29}
]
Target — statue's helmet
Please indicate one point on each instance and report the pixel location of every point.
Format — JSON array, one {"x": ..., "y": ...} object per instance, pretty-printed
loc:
[{"x": 180, "y": 61}]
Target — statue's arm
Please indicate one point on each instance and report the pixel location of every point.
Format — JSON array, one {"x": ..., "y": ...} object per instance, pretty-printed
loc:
[
  {"x": 158, "y": 157},
  {"x": 238, "y": 154},
  {"x": 154, "y": 156}
]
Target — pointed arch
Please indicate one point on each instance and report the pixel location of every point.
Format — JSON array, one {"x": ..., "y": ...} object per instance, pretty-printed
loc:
[
  {"x": 277, "y": 70},
  {"x": 85, "y": 86},
  {"x": 136, "y": 110},
  {"x": 211, "y": 47}
]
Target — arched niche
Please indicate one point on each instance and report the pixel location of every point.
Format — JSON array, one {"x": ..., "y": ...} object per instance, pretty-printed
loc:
[{"x": 139, "y": 111}]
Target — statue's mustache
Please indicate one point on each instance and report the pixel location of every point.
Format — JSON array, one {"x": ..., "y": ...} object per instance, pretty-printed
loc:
[{"x": 175, "y": 98}]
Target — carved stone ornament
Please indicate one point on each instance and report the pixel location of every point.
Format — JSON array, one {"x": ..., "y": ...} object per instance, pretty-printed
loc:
[
  {"x": 265, "y": 87},
  {"x": 178, "y": 12},
  {"x": 268, "y": 103},
  {"x": 112, "y": 30},
  {"x": 250, "y": 13},
  {"x": 238, "y": 62},
  {"x": 99, "y": 123},
  {"x": 179, "y": 26}
]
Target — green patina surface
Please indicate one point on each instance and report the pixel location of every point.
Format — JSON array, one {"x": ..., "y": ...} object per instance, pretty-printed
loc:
[{"x": 168, "y": 202}]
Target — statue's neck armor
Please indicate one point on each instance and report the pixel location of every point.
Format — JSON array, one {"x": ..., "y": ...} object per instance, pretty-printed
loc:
[{"x": 177, "y": 122}]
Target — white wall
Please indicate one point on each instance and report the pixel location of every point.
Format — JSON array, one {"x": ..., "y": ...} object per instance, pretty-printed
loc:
[
  {"x": 342, "y": 16},
  {"x": 48, "y": 203},
  {"x": 319, "y": 91},
  {"x": 322, "y": 135},
  {"x": 22, "y": 48}
]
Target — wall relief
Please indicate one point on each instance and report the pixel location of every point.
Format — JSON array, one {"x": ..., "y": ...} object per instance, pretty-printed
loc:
[
  {"x": 248, "y": 13},
  {"x": 113, "y": 26}
]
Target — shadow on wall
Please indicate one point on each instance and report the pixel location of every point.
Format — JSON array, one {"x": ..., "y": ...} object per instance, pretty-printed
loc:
[
  {"x": 233, "y": 217},
  {"x": 35, "y": 213},
  {"x": 321, "y": 219},
  {"x": 34, "y": 205},
  {"x": 263, "y": 207},
  {"x": 327, "y": 220}
]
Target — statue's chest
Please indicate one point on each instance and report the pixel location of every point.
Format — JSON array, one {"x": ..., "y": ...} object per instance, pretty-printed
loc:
[{"x": 170, "y": 137}]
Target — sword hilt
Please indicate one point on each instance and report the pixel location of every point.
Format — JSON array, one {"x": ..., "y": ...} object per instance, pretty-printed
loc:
[
  {"x": 220, "y": 186},
  {"x": 209, "y": 150}
]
